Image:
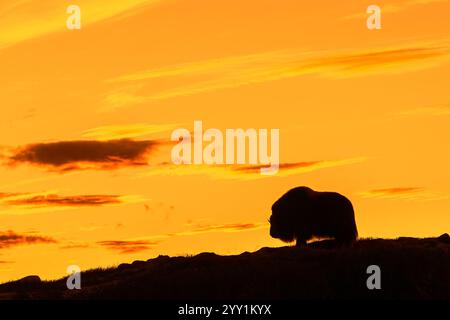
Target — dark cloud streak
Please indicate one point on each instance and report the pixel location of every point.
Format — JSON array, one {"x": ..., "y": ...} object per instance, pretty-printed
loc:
[
  {"x": 124, "y": 246},
  {"x": 282, "y": 166},
  {"x": 66, "y": 201},
  {"x": 10, "y": 238},
  {"x": 85, "y": 154}
]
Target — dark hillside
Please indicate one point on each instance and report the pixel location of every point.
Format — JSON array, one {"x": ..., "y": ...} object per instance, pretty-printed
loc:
[{"x": 410, "y": 269}]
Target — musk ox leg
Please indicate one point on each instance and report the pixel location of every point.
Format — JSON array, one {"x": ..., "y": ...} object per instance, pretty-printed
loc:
[
  {"x": 345, "y": 241},
  {"x": 301, "y": 241}
]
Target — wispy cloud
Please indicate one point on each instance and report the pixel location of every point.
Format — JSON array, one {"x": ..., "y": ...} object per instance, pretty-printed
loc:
[
  {"x": 22, "y": 20},
  {"x": 10, "y": 238},
  {"x": 231, "y": 227},
  {"x": 65, "y": 156},
  {"x": 286, "y": 169},
  {"x": 244, "y": 172},
  {"x": 6, "y": 195},
  {"x": 236, "y": 71},
  {"x": 127, "y": 131},
  {"x": 75, "y": 245},
  {"x": 54, "y": 200},
  {"x": 404, "y": 193},
  {"x": 438, "y": 110},
  {"x": 127, "y": 246},
  {"x": 30, "y": 203},
  {"x": 207, "y": 228},
  {"x": 395, "y": 7}
]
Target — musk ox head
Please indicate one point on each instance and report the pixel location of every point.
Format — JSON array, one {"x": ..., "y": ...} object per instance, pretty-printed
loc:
[{"x": 285, "y": 213}]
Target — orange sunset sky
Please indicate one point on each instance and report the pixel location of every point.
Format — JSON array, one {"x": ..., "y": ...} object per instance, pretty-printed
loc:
[{"x": 85, "y": 167}]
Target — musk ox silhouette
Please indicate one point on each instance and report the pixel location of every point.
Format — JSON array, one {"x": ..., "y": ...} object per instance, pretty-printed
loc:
[{"x": 302, "y": 213}]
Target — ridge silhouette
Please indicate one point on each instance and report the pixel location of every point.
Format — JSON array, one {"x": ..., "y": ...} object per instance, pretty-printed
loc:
[{"x": 411, "y": 269}]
